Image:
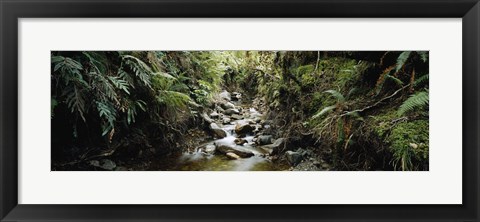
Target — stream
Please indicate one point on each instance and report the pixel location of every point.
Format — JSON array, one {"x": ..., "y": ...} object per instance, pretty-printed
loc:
[{"x": 207, "y": 156}]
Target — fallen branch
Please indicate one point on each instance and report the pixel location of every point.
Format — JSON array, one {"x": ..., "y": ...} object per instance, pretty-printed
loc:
[{"x": 377, "y": 103}]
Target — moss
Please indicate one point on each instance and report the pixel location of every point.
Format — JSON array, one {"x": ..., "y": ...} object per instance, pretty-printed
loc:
[
  {"x": 409, "y": 144},
  {"x": 382, "y": 122}
]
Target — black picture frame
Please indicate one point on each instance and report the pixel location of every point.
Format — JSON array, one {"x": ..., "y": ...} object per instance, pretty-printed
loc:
[{"x": 12, "y": 10}]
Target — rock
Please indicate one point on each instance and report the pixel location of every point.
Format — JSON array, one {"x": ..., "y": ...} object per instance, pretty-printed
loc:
[
  {"x": 293, "y": 158},
  {"x": 232, "y": 156},
  {"x": 219, "y": 109},
  {"x": 241, "y": 152},
  {"x": 206, "y": 118},
  {"x": 275, "y": 147},
  {"x": 95, "y": 163},
  {"x": 217, "y": 130},
  {"x": 107, "y": 164},
  {"x": 326, "y": 166},
  {"x": 240, "y": 141},
  {"x": 236, "y": 117},
  {"x": 214, "y": 114},
  {"x": 210, "y": 148},
  {"x": 243, "y": 128},
  {"x": 413, "y": 145},
  {"x": 227, "y": 105},
  {"x": 264, "y": 140},
  {"x": 225, "y": 95},
  {"x": 317, "y": 163},
  {"x": 226, "y": 120},
  {"x": 236, "y": 96},
  {"x": 231, "y": 111}
]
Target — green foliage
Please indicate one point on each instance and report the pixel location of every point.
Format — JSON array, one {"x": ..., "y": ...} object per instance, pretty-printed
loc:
[
  {"x": 340, "y": 98},
  {"x": 140, "y": 68},
  {"x": 423, "y": 55},
  {"x": 121, "y": 92},
  {"x": 402, "y": 59},
  {"x": 324, "y": 111},
  {"x": 409, "y": 144},
  {"x": 421, "y": 80},
  {"x": 418, "y": 100}
]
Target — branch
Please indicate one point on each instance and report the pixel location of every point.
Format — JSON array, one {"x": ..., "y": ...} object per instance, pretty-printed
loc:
[{"x": 377, "y": 103}]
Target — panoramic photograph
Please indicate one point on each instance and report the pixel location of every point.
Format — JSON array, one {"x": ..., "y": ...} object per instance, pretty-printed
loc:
[{"x": 239, "y": 111}]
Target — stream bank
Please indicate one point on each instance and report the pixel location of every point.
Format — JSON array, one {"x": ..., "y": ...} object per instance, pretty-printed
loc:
[{"x": 240, "y": 139}]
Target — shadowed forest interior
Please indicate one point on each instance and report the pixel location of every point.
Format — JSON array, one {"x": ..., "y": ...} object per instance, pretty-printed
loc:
[{"x": 240, "y": 110}]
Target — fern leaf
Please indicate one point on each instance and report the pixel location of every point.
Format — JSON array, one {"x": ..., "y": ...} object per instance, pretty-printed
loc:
[
  {"x": 323, "y": 111},
  {"x": 421, "y": 80},
  {"x": 141, "y": 69},
  {"x": 75, "y": 101},
  {"x": 423, "y": 55},
  {"x": 402, "y": 58},
  {"x": 336, "y": 94},
  {"x": 394, "y": 79},
  {"x": 120, "y": 83},
  {"x": 417, "y": 100}
]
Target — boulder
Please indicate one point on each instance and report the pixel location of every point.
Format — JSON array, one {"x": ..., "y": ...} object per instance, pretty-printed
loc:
[
  {"x": 236, "y": 117},
  {"x": 227, "y": 105},
  {"x": 220, "y": 133},
  {"x": 231, "y": 111},
  {"x": 220, "y": 109},
  {"x": 236, "y": 96},
  {"x": 243, "y": 128},
  {"x": 240, "y": 141},
  {"x": 264, "y": 140},
  {"x": 225, "y": 95},
  {"x": 206, "y": 118},
  {"x": 293, "y": 158},
  {"x": 241, "y": 152},
  {"x": 226, "y": 120},
  {"x": 275, "y": 147},
  {"x": 232, "y": 156},
  {"x": 214, "y": 114},
  {"x": 210, "y": 148}
]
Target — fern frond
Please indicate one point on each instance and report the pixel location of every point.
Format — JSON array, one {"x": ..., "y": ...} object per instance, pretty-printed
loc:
[
  {"x": 417, "y": 100},
  {"x": 324, "y": 111},
  {"x": 394, "y": 79},
  {"x": 337, "y": 95},
  {"x": 422, "y": 79},
  {"x": 98, "y": 61},
  {"x": 423, "y": 55},
  {"x": 141, "y": 69},
  {"x": 381, "y": 79},
  {"x": 120, "y": 83},
  {"x": 402, "y": 58},
  {"x": 75, "y": 101},
  {"x": 108, "y": 112}
]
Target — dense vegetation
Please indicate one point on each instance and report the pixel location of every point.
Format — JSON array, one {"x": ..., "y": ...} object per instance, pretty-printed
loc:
[{"x": 354, "y": 110}]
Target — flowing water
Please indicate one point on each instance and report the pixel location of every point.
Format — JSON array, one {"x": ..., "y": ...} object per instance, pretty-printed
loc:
[{"x": 199, "y": 160}]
